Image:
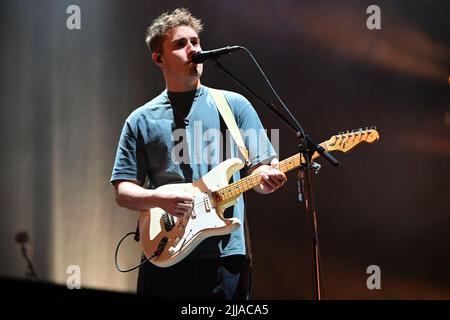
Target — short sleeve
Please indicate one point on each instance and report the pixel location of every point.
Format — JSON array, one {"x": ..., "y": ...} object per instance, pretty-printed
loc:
[{"x": 131, "y": 160}]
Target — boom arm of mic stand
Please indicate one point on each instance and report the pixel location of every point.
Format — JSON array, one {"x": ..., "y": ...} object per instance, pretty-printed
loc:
[{"x": 311, "y": 145}]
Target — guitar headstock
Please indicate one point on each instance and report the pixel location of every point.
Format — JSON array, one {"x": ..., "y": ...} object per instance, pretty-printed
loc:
[{"x": 344, "y": 141}]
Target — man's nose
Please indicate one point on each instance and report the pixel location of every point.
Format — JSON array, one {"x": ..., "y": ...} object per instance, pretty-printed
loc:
[
  {"x": 192, "y": 47},
  {"x": 191, "y": 50}
]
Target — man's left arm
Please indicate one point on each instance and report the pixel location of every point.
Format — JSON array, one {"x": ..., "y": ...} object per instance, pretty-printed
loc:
[
  {"x": 271, "y": 178},
  {"x": 259, "y": 147}
]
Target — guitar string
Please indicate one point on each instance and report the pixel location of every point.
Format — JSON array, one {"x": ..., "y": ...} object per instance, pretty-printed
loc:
[
  {"x": 293, "y": 159},
  {"x": 285, "y": 165},
  {"x": 243, "y": 183}
]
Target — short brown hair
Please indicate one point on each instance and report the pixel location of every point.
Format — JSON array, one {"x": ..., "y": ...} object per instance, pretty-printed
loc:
[{"x": 162, "y": 25}]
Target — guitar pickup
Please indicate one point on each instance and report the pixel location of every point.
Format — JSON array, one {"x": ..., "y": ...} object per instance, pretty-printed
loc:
[{"x": 207, "y": 202}]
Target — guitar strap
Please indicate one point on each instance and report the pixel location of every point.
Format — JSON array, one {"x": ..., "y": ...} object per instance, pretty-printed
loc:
[{"x": 227, "y": 115}]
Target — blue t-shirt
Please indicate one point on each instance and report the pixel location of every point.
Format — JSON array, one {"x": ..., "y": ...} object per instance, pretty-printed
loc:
[{"x": 155, "y": 150}]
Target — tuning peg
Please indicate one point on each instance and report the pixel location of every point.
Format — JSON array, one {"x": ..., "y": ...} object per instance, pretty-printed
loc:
[{"x": 339, "y": 138}]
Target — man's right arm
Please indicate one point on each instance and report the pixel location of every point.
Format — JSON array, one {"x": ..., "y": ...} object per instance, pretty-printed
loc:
[{"x": 129, "y": 194}]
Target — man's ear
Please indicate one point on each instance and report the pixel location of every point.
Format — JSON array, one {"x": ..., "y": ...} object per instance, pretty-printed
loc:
[{"x": 157, "y": 59}]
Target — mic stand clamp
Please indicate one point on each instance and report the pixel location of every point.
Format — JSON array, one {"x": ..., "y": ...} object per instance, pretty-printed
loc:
[{"x": 314, "y": 166}]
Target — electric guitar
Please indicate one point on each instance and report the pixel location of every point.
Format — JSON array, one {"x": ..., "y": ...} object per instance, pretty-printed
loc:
[{"x": 166, "y": 239}]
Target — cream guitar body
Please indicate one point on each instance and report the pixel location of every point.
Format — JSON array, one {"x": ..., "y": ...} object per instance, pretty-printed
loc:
[{"x": 170, "y": 239}]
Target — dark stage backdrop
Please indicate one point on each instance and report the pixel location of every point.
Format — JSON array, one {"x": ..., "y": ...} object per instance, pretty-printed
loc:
[{"x": 65, "y": 94}]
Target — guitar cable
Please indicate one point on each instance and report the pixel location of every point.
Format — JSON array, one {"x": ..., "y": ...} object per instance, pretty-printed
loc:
[{"x": 137, "y": 239}]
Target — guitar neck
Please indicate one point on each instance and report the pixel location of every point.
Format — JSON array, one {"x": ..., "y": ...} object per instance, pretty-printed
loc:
[
  {"x": 343, "y": 141},
  {"x": 234, "y": 190}
]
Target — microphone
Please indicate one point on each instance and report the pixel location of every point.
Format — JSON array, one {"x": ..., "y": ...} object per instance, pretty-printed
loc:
[{"x": 201, "y": 56}]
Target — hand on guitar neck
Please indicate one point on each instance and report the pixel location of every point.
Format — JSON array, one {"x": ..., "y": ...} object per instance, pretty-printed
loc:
[{"x": 271, "y": 178}]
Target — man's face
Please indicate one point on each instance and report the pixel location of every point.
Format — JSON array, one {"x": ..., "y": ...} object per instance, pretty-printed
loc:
[{"x": 179, "y": 46}]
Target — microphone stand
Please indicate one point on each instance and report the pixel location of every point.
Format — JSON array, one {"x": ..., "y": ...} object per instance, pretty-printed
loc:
[
  {"x": 307, "y": 147},
  {"x": 22, "y": 238}
]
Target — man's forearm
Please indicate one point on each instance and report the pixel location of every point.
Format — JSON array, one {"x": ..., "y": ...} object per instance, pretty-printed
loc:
[{"x": 134, "y": 197}]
